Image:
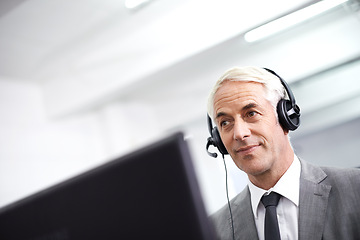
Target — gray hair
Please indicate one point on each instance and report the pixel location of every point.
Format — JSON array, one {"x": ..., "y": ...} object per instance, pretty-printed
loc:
[{"x": 273, "y": 86}]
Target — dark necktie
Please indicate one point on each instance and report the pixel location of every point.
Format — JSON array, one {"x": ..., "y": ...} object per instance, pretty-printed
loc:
[{"x": 271, "y": 223}]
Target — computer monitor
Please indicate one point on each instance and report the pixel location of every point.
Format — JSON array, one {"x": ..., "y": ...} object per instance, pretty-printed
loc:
[{"x": 151, "y": 193}]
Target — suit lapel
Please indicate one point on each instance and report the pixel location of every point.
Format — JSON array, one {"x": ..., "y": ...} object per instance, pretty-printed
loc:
[
  {"x": 242, "y": 208},
  {"x": 313, "y": 202}
]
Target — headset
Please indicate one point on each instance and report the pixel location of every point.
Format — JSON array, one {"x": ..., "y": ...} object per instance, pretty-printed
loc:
[{"x": 288, "y": 114}]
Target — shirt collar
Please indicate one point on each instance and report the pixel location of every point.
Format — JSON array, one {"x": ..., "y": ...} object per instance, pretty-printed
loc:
[{"x": 288, "y": 186}]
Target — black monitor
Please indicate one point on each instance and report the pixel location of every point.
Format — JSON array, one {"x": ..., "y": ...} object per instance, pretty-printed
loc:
[{"x": 151, "y": 193}]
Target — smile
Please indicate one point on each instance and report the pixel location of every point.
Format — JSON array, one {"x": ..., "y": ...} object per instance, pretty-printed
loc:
[{"x": 247, "y": 149}]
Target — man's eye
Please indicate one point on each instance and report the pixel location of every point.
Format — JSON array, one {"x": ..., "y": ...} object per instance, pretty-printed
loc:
[
  {"x": 224, "y": 123},
  {"x": 251, "y": 114}
]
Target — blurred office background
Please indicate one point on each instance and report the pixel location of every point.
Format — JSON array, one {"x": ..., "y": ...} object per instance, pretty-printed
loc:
[{"x": 83, "y": 82}]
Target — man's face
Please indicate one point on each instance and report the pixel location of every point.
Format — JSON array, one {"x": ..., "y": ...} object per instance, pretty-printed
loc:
[{"x": 249, "y": 128}]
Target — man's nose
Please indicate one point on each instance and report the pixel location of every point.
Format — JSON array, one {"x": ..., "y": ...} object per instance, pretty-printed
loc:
[{"x": 241, "y": 130}]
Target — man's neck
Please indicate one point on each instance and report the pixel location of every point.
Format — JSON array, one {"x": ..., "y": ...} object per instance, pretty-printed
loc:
[{"x": 269, "y": 178}]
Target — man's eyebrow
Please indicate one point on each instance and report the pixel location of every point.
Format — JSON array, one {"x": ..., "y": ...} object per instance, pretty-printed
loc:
[
  {"x": 249, "y": 106},
  {"x": 246, "y": 107},
  {"x": 220, "y": 114}
]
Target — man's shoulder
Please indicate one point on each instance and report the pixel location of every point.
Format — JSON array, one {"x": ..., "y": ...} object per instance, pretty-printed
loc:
[
  {"x": 338, "y": 172},
  {"x": 241, "y": 217},
  {"x": 342, "y": 176},
  {"x": 238, "y": 200},
  {"x": 334, "y": 176},
  {"x": 333, "y": 172}
]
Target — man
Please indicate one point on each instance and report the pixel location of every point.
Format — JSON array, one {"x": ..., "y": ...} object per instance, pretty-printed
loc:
[{"x": 247, "y": 105}]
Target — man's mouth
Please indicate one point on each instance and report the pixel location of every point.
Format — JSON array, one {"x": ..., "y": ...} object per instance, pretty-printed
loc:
[{"x": 247, "y": 149}]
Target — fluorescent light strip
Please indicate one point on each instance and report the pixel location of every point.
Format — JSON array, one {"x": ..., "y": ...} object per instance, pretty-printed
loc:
[
  {"x": 132, "y": 4},
  {"x": 291, "y": 19}
]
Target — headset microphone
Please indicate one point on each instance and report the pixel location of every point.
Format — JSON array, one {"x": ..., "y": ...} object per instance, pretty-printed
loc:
[
  {"x": 210, "y": 142},
  {"x": 214, "y": 140}
]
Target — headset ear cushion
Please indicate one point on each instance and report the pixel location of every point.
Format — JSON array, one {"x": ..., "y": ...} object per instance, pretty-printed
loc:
[
  {"x": 288, "y": 122},
  {"x": 217, "y": 141}
]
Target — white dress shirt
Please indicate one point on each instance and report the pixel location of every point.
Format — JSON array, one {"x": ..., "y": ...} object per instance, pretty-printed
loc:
[{"x": 288, "y": 208}]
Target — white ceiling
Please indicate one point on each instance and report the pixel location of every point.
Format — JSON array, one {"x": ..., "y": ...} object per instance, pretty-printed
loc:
[
  {"x": 52, "y": 39},
  {"x": 42, "y": 40}
]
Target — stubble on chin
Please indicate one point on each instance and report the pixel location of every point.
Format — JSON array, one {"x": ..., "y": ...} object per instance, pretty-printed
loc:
[
  {"x": 244, "y": 163},
  {"x": 250, "y": 165}
]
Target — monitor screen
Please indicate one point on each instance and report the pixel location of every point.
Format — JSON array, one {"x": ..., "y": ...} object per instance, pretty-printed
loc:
[{"x": 151, "y": 193}]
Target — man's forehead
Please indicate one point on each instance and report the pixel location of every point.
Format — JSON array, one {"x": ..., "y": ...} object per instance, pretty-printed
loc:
[
  {"x": 241, "y": 95},
  {"x": 235, "y": 89}
]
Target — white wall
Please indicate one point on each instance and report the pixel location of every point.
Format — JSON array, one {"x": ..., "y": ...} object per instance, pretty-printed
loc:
[{"x": 37, "y": 151}]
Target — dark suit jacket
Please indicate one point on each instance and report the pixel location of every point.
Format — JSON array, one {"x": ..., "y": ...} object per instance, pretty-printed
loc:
[{"x": 328, "y": 207}]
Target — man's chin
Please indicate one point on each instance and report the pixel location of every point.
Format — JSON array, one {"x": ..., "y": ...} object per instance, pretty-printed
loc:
[{"x": 250, "y": 165}]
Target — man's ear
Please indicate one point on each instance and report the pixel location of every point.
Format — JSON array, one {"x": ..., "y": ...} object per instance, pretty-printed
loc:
[{"x": 286, "y": 131}]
